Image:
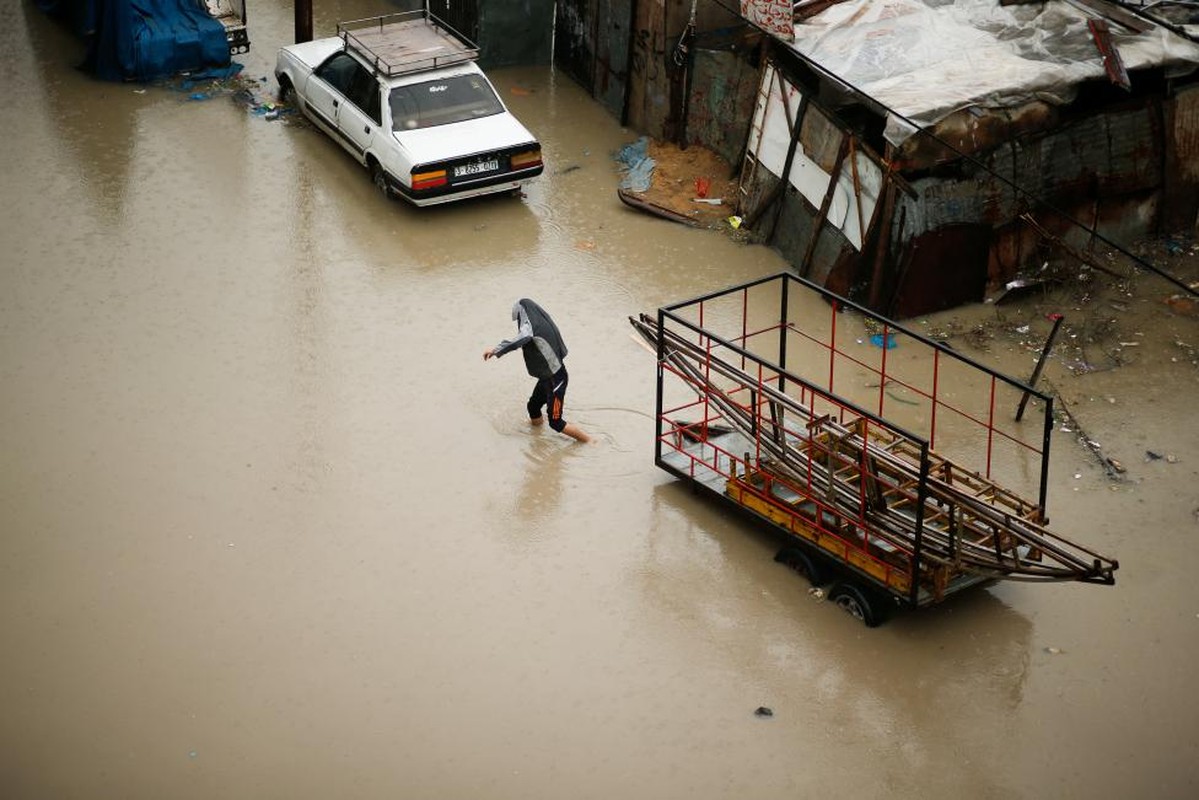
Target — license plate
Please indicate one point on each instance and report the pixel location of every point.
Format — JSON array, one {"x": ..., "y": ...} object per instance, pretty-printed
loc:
[{"x": 477, "y": 168}]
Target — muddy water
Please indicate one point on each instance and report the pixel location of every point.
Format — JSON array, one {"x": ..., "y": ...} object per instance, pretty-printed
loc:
[{"x": 272, "y": 528}]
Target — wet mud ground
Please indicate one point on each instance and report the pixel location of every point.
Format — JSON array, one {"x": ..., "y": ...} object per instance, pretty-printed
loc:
[{"x": 272, "y": 528}]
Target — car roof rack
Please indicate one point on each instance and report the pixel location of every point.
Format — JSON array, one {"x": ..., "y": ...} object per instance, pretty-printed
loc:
[{"x": 406, "y": 42}]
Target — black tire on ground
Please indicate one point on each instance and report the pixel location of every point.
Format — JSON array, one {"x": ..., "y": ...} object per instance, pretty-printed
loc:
[
  {"x": 286, "y": 93},
  {"x": 858, "y": 603},
  {"x": 802, "y": 563},
  {"x": 379, "y": 179}
]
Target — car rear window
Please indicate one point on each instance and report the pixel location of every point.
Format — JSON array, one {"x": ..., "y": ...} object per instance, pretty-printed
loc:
[{"x": 440, "y": 102}]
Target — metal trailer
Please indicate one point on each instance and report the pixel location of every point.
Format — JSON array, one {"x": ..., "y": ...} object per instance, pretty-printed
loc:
[{"x": 854, "y": 453}]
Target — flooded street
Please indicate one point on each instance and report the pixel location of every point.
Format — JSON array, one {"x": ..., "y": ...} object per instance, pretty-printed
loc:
[{"x": 272, "y": 528}]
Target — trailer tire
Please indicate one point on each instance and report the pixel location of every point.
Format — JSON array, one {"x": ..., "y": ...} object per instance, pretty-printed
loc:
[
  {"x": 857, "y": 603},
  {"x": 802, "y": 563}
]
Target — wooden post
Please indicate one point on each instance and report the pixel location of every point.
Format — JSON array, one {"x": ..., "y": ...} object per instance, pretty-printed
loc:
[
  {"x": 303, "y": 21},
  {"x": 805, "y": 266}
]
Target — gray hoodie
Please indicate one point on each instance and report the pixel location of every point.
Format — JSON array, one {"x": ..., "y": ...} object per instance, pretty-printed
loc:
[{"x": 538, "y": 338}]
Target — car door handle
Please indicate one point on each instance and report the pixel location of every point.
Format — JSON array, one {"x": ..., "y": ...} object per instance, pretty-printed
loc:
[
  {"x": 335, "y": 104},
  {"x": 366, "y": 129}
]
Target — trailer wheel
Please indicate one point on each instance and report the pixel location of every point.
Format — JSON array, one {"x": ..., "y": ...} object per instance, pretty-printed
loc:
[
  {"x": 857, "y": 604},
  {"x": 802, "y": 563}
]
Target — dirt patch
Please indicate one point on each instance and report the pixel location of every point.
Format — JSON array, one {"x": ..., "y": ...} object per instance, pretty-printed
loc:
[{"x": 683, "y": 177}]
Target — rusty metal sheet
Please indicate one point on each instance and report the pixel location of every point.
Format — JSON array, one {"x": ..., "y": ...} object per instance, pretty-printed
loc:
[
  {"x": 612, "y": 32},
  {"x": 942, "y": 269},
  {"x": 1117, "y": 151},
  {"x": 1104, "y": 156},
  {"x": 1180, "y": 194},
  {"x": 1113, "y": 65},
  {"x": 1184, "y": 132},
  {"x": 973, "y": 131}
]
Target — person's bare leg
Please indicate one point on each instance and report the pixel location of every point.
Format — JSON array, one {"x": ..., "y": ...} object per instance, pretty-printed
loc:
[{"x": 573, "y": 432}]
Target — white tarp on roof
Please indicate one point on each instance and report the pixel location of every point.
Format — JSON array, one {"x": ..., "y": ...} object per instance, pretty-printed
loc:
[{"x": 925, "y": 59}]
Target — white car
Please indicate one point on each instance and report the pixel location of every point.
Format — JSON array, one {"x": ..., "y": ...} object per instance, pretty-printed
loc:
[{"x": 406, "y": 99}]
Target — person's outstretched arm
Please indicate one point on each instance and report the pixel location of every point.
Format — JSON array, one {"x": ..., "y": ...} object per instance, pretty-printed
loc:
[{"x": 524, "y": 334}]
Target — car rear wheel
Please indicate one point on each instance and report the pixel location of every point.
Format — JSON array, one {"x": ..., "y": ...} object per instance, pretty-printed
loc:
[
  {"x": 286, "y": 92},
  {"x": 379, "y": 178}
]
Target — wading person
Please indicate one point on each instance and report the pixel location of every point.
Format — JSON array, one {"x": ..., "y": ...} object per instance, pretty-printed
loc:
[{"x": 541, "y": 344}]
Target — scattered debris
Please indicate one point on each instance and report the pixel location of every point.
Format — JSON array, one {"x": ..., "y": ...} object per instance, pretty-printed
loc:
[
  {"x": 679, "y": 184},
  {"x": 763, "y": 711},
  {"x": 1108, "y": 464}
]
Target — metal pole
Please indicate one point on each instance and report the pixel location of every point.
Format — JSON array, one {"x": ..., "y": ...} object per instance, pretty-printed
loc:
[
  {"x": 659, "y": 393},
  {"x": 1036, "y": 373}
]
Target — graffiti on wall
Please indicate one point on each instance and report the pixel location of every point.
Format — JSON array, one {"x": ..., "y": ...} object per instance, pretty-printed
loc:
[{"x": 644, "y": 61}]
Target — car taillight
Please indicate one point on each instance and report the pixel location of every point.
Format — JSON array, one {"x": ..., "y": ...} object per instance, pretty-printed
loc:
[
  {"x": 428, "y": 180},
  {"x": 529, "y": 158}
]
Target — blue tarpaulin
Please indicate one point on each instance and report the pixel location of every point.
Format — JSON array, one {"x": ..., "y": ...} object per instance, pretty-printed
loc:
[
  {"x": 141, "y": 40},
  {"x": 639, "y": 165}
]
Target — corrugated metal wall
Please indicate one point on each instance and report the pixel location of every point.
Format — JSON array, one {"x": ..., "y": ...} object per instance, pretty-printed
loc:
[
  {"x": 723, "y": 89},
  {"x": 591, "y": 44}
]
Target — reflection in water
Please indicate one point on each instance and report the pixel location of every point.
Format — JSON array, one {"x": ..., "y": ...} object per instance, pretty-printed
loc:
[
  {"x": 711, "y": 565},
  {"x": 495, "y": 227},
  {"x": 541, "y": 485},
  {"x": 307, "y": 341},
  {"x": 100, "y": 137}
]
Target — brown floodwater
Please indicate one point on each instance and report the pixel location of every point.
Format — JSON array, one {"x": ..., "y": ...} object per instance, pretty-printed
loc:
[{"x": 273, "y": 528}]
